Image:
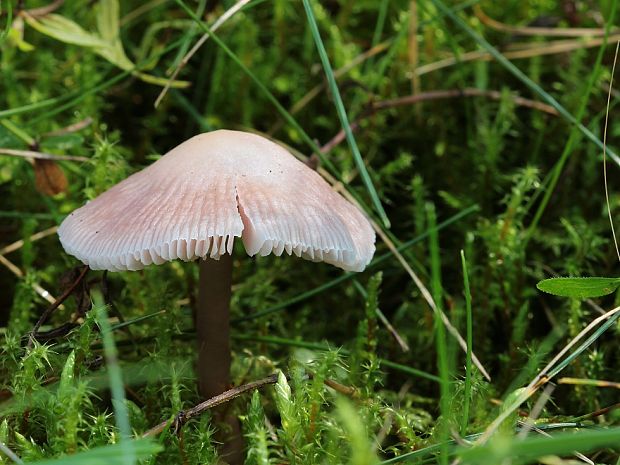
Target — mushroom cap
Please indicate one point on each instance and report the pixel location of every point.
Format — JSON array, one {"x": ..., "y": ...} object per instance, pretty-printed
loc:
[{"x": 216, "y": 186}]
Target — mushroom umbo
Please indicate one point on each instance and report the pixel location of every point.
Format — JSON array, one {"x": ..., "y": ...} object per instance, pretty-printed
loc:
[{"x": 194, "y": 201}]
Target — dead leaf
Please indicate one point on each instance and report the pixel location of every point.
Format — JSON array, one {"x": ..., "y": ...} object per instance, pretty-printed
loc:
[{"x": 49, "y": 178}]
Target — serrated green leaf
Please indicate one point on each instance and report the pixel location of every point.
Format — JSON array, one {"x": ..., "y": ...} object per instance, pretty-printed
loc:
[{"x": 579, "y": 288}]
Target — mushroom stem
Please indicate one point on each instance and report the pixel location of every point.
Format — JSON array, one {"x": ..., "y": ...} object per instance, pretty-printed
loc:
[
  {"x": 213, "y": 326},
  {"x": 213, "y": 330}
]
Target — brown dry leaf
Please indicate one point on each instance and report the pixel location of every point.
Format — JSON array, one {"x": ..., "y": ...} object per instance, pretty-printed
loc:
[{"x": 49, "y": 177}]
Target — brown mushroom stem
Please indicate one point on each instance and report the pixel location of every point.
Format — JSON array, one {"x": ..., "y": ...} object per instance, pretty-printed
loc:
[
  {"x": 213, "y": 331},
  {"x": 213, "y": 326}
]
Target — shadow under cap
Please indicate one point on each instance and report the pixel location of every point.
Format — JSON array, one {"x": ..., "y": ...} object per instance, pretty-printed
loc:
[{"x": 193, "y": 202}]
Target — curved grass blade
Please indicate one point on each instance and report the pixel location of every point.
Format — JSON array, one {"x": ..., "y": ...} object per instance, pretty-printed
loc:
[
  {"x": 342, "y": 115},
  {"x": 115, "y": 378},
  {"x": 531, "y": 449},
  {"x": 111, "y": 454},
  {"x": 468, "y": 357},
  {"x": 579, "y": 288}
]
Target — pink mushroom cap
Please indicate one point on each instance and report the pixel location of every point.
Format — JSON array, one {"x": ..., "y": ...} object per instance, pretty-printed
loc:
[{"x": 193, "y": 202}]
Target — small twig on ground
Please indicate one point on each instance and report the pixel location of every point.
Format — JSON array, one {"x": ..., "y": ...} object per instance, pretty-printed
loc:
[
  {"x": 519, "y": 51},
  {"x": 338, "y": 387},
  {"x": 434, "y": 95},
  {"x": 397, "y": 337},
  {"x": 20, "y": 274},
  {"x": 75, "y": 127},
  {"x": 316, "y": 90},
  {"x": 56, "y": 304},
  {"x": 186, "y": 415},
  {"x": 536, "y": 31},
  {"x": 35, "y": 237},
  {"x": 590, "y": 382},
  {"x": 56, "y": 333},
  {"x": 31, "y": 154},
  {"x": 44, "y": 10},
  {"x": 597, "y": 413},
  {"x": 341, "y": 388}
]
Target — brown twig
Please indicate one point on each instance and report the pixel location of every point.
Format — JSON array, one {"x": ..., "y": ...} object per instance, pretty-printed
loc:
[
  {"x": 590, "y": 382},
  {"x": 20, "y": 274},
  {"x": 434, "y": 95},
  {"x": 186, "y": 415},
  {"x": 457, "y": 93},
  {"x": 56, "y": 304},
  {"x": 75, "y": 127},
  {"x": 44, "y": 10},
  {"x": 341, "y": 388},
  {"x": 535, "y": 31},
  {"x": 316, "y": 90},
  {"x": 35, "y": 237},
  {"x": 519, "y": 51},
  {"x": 31, "y": 154},
  {"x": 56, "y": 333},
  {"x": 392, "y": 330},
  {"x": 597, "y": 413}
]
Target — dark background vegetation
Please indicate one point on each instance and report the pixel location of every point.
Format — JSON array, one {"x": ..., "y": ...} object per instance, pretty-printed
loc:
[{"x": 488, "y": 152}]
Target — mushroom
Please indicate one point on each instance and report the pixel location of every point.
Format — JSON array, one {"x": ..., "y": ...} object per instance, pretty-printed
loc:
[{"x": 194, "y": 201}]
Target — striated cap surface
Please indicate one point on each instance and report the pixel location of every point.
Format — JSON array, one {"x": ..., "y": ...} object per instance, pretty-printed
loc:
[{"x": 216, "y": 186}]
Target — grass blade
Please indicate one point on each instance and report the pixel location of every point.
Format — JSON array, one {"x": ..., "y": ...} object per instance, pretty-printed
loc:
[
  {"x": 111, "y": 454},
  {"x": 115, "y": 376},
  {"x": 531, "y": 449},
  {"x": 440, "y": 335},
  {"x": 469, "y": 338},
  {"x": 342, "y": 115}
]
